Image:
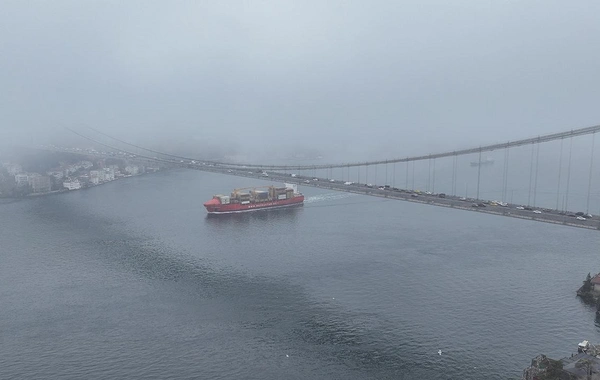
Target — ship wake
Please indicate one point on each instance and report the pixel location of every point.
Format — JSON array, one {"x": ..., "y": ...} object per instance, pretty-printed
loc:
[{"x": 327, "y": 197}]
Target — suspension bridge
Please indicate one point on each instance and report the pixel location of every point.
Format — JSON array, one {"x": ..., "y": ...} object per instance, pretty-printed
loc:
[{"x": 521, "y": 185}]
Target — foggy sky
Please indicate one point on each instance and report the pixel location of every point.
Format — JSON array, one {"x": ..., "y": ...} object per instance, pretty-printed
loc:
[{"x": 354, "y": 78}]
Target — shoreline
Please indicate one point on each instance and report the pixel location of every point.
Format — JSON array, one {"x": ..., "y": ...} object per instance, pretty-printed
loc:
[{"x": 64, "y": 190}]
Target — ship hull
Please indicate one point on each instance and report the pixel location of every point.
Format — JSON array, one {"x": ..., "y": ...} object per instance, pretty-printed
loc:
[{"x": 234, "y": 208}]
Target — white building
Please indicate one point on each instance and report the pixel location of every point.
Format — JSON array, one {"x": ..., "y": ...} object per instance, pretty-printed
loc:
[
  {"x": 21, "y": 179},
  {"x": 109, "y": 174},
  {"x": 12, "y": 169},
  {"x": 132, "y": 169},
  {"x": 72, "y": 184},
  {"x": 56, "y": 174}
]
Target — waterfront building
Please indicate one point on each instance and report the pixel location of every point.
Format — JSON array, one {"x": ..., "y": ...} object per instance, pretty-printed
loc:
[
  {"x": 41, "y": 184},
  {"x": 72, "y": 184},
  {"x": 109, "y": 174},
  {"x": 21, "y": 179},
  {"x": 132, "y": 169}
]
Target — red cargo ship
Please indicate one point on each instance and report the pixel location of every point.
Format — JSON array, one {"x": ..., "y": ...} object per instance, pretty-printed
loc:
[{"x": 254, "y": 199}]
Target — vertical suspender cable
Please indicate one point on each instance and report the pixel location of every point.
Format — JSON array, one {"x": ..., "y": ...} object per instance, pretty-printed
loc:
[
  {"x": 587, "y": 207},
  {"x": 406, "y": 180},
  {"x": 568, "y": 175},
  {"x": 433, "y": 182},
  {"x": 478, "y": 174},
  {"x": 429, "y": 174},
  {"x": 375, "y": 182},
  {"x": 537, "y": 162},
  {"x": 506, "y": 165},
  {"x": 530, "y": 176},
  {"x": 559, "y": 172},
  {"x": 413, "y": 176},
  {"x": 386, "y": 170},
  {"x": 453, "y": 175}
]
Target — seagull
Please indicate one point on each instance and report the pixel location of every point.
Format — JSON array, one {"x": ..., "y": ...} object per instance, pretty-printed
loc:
[{"x": 439, "y": 352}]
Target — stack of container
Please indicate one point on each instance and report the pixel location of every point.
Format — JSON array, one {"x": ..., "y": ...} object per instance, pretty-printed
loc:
[{"x": 261, "y": 195}]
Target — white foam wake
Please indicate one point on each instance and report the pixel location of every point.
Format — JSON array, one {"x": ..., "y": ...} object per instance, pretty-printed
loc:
[{"x": 327, "y": 197}]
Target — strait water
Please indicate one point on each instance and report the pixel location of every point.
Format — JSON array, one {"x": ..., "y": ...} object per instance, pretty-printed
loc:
[{"x": 133, "y": 280}]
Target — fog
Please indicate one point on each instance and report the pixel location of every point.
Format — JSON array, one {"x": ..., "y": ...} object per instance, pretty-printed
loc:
[{"x": 346, "y": 80}]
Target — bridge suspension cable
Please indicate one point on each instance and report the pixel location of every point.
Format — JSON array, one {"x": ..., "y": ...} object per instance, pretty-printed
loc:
[{"x": 534, "y": 140}]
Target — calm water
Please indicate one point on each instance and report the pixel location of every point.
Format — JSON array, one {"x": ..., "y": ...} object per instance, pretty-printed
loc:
[{"x": 133, "y": 280}]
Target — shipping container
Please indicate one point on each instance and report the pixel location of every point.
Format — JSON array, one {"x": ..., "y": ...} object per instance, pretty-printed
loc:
[
  {"x": 225, "y": 200},
  {"x": 245, "y": 202},
  {"x": 283, "y": 196}
]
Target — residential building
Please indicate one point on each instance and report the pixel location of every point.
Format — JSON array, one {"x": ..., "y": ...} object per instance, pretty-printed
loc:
[
  {"x": 109, "y": 174},
  {"x": 56, "y": 174},
  {"x": 132, "y": 169},
  {"x": 12, "y": 169},
  {"x": 41, "y": 184},
  {"x": 21, "y": 179},
  {"x": 72, "y": 184}
]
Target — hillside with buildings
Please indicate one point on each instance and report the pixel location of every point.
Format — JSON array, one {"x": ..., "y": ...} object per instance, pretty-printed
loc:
[{"x": 20, "y": 178}]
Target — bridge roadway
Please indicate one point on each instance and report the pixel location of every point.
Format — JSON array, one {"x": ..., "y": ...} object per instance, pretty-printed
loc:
[{"x": 510, "y": 210}]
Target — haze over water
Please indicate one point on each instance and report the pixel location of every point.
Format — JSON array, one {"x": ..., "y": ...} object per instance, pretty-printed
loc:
[{"x": 133, "y": 280}]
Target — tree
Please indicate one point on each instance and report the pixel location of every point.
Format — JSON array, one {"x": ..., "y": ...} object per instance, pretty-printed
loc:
[
  {"x": 587, "y": 364},
  {"x": 554, "y": 371}
]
